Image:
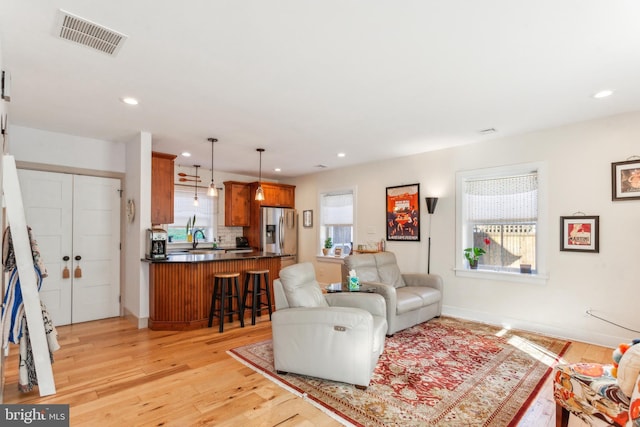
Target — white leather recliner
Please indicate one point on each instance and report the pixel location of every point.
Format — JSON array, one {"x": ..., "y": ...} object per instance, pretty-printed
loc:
[
  {"x": 337, "y": 336},
  {"x": 411, "y": 298}
]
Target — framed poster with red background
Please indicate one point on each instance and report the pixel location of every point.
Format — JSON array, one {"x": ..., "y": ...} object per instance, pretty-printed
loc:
[{"x": 403, "y": 213}]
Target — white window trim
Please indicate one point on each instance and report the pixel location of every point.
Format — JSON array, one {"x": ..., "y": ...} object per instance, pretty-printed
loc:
[
  {"x": 542, "y": 230},
  {"x": 332, "y": 258}
]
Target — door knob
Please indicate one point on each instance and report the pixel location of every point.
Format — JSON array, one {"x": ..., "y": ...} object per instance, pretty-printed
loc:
[
  {"x": 78, "y": 258},
  {"x": 65, "y": 258}
]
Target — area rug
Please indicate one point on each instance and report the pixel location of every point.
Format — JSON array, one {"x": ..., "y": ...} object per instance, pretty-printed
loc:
[{"x": 445, "y": 372}]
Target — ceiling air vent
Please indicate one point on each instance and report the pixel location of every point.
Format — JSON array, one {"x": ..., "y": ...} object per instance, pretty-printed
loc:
[
  {"x": 487, "y": 131},
  {"x": 87, "y": 33}
]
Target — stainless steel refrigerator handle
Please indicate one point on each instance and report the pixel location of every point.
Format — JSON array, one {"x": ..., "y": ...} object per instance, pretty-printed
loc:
[{"x": 281, "y": 233}]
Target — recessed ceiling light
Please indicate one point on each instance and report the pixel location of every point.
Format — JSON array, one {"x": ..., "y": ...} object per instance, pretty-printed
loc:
[
  {"x": 342, "y": 155},
  {"x": 603, "y": 94},
  {"x": 185, "y": 154},
  {"x": 129, "y": 101},
  {"x": 278, "y": 170}
]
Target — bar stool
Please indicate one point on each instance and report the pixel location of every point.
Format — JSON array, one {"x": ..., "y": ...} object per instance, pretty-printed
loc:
[
  {"x": 223, "y": 293},
  {"x": 256, "y": 291}
]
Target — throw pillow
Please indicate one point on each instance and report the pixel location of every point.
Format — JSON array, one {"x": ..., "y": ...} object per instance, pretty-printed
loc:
[{"x": 629, "y": 369}]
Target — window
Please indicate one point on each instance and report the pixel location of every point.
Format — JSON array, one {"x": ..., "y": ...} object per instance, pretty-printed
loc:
[
  {"x": 336, "y": 220},
  {"x": 499, "y": 211},
  {"x": 183, "y": 209}
]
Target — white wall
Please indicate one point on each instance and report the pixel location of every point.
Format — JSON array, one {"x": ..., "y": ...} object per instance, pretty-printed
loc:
[
  {"x": 52, "y": 148},
  {"x": 578, "y": 158},
  {"x": 3, "y": 104},
  {"x": 135, "y": 301}
]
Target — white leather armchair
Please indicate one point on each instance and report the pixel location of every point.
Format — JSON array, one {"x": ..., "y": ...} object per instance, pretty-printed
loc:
[
  {"x": 411, "y": 298},
  {"x": 334, "y": 336}
]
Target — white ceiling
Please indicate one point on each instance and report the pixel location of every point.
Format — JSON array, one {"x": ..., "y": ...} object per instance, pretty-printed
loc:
[{"x": 308, "y": 79}]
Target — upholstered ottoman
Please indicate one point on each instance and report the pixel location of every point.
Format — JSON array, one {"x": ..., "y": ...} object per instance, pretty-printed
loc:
[{"x": 590, "y": 392}]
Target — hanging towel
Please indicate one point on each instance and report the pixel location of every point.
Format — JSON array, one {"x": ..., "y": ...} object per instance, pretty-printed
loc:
[
  {"x": 27, "y": 377},
  {"x": 13, "y": 314},
  {"x": 14, "y": 319}
]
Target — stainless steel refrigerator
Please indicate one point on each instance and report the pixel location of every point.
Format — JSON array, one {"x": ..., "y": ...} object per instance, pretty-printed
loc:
[{"x": 279, "y": 233}]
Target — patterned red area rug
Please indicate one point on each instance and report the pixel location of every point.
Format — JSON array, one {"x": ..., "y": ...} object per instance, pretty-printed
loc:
[{"x": 446, "y": 372}]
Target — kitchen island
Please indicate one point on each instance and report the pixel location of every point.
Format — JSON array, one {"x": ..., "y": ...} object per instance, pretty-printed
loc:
[{"x": 180, "y": 286}]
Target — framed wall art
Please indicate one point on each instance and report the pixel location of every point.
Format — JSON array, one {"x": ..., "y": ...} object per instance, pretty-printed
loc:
[
  {"x": 403, "y": 213},
  {"x": 625, "y": 180},
  {"x": 580, "y": 233},
  {"x": 307, "y": 219}
]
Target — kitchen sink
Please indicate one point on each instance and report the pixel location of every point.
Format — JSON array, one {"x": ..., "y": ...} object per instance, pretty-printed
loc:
[
  {"x": 196, "y": 251},
  {"x": 203, "y": 251}
]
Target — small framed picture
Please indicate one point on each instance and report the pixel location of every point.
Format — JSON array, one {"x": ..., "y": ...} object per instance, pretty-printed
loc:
[
  {"x": 625, "y": 180},
  {"x": 337, "y": 252},
  {"x": 579, "y": 233},
  {"x": 307, "y": 219}
]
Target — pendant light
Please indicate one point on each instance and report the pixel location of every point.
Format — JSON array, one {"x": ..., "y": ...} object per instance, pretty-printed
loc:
[
  {"x": 259, "y": 192},
  {"x": 212, "y": 191},
  {"x": 195, "y": 199}
]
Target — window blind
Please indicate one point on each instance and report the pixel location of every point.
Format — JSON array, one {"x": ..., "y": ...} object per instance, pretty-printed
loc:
[
  {"x": 512, "y": 199},
  {"x": 337, "y": 209},
  {"x": 184, "y": 209}
]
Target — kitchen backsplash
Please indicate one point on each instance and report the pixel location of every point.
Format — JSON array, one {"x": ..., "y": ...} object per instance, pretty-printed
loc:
[{"x": 229, "y": 235}]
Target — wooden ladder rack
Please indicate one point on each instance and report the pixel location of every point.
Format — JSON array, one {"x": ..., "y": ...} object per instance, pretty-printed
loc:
[{"x": 28, "y": 284}]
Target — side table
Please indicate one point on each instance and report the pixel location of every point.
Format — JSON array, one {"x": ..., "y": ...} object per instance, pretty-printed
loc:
[{"x": 340, "y": 287}]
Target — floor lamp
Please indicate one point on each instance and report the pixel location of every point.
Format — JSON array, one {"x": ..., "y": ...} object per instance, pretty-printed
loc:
[{"x": 431, "y": 208}]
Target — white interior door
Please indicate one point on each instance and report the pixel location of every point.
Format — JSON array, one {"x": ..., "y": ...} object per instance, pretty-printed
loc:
[
  {"x": 47, "y": 199},
  {"x": 96, "y": 241},
  {"x": 76, "y": 216}
]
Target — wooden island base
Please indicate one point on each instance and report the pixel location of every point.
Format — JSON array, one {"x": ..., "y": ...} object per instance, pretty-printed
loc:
[{"x": 180, "y": 292}]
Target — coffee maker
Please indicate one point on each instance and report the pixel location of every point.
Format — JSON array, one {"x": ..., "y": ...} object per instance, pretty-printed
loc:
[{"x": 156, "y": 244}]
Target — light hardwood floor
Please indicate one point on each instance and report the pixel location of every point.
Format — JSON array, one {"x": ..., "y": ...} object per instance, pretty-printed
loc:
[{"x": 113, "y": 374}]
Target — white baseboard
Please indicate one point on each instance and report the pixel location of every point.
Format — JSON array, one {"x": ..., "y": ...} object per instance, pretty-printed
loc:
[
  {"x": 589, "y": 337},
  {"x": 139, "y": 322}
]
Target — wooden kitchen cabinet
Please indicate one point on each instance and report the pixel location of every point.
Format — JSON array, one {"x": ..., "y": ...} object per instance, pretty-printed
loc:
[
  {"x": 276, "y": 195},
  {"x": 242, "y": 210},
  {"x": 162, "y": 188},
  {"x": 236, "y": 204}
]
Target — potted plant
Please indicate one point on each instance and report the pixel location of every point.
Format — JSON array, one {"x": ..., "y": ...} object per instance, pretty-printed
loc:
[
  {"x": 328, "y": 244},
  {"x": 473, "y": 254}
]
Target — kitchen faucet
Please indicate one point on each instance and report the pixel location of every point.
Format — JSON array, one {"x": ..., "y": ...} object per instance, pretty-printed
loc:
[{"x": 195, "y": 237}]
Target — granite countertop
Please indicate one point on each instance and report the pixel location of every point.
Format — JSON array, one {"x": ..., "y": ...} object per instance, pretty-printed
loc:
[{"x": 212, "y": 257}]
